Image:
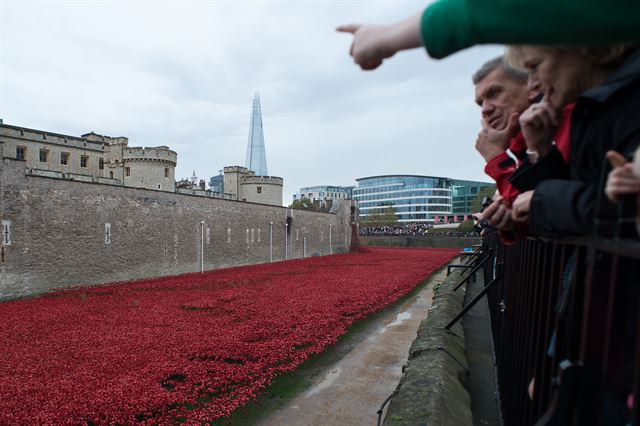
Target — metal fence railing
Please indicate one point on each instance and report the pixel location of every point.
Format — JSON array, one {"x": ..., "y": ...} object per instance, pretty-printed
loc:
[{"x": 566, "y": 330}]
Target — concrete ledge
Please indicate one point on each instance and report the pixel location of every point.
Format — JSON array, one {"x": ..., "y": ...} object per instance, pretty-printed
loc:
[{"x": 431, "y": 391}]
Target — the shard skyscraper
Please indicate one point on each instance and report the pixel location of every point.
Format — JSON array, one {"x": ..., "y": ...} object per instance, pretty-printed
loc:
[{"x": 256, "y": 157}]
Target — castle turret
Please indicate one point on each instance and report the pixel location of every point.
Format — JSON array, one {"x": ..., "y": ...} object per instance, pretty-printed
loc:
[{"x": 151, "y": 168}]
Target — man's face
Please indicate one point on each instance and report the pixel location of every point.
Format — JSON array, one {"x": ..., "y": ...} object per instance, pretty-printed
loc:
[{"x": 499, "y": 97}]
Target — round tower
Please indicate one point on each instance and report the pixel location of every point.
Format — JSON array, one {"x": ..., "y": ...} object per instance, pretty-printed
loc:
[{"x": 151, "y": 168}]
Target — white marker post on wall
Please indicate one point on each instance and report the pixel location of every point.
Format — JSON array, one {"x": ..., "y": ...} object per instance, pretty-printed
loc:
[
  {"x": 202, "y": 246},
  {"x": 270, "y": 241},
  {"x": 286, "y": 241},
  {"x": 304, "y": 246},
  {"x": 330, "y": 248},
  {"x": 6, "y": 232}
]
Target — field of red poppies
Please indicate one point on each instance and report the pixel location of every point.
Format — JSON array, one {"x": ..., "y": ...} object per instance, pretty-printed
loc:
[{"x": 189, "y": 348}]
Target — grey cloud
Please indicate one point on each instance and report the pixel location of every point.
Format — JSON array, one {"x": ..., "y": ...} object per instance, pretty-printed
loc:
[{"x": 183, "y": 75}]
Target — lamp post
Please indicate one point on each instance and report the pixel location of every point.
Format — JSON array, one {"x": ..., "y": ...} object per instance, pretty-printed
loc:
[{"x": 202, "y": 246}]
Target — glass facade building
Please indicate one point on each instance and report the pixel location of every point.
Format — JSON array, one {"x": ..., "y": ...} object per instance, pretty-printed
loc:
[
  {"x": 256, "y": 159},
  {"x": 464, "y": 192},
  {"x": 417, "y": 198},
  {"x": 414, "y": 198},
  {"x": 217, "y": 183}
]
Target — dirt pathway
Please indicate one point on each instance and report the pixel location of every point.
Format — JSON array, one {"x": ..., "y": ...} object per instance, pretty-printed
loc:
[{"x": 352, "y": 389}]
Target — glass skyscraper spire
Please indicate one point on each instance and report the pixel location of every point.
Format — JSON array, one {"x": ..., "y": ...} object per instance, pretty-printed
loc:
[{"x": 256, "y": 157}]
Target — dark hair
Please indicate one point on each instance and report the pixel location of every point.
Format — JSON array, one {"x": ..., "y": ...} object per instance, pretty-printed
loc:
[{"x": 499, "y": 63}]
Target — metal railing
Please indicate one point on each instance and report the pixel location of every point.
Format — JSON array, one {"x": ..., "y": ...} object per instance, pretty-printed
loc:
[{"x": 566, "y": 329}]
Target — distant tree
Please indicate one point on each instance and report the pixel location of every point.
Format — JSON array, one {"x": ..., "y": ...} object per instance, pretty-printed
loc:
[
  {"x": 380, "y": 217},
  {"x": 476, "y": 204},
  {"x": 301, "y": 204},
  {"x": 389, "y": 216}
]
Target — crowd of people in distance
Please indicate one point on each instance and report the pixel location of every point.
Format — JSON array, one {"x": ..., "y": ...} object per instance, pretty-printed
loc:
[
  {"x": 410, "y": 230},
  {"x": 560, "y": 121},
  {"x": 398, "y": 229}
]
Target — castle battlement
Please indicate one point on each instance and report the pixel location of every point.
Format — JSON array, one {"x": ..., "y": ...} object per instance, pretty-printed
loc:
[
  {"x": 238, "y": 169},
  {"x": 263, "y": 180},
  {"x": 160, "y": 153},
  {"x": 94, "y": 137}
]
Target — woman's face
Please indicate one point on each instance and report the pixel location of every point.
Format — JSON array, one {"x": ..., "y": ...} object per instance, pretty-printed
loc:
[{"x": 560, "y": 73}]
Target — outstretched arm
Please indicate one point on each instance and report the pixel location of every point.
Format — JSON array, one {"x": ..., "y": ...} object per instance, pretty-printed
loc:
[
  {"x": 374, "y": 43},
  {"x": 448, "y": 26}
]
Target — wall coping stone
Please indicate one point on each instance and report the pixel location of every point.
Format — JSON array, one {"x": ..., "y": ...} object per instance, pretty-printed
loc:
[{"x": 431, "y": 390}]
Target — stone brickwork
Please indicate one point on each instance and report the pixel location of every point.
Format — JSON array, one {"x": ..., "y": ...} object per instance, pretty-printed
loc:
[
  {"x": 262, "y": 189},
  {"x": 150, "y": 168},
  {"x": 66, "y": 233},
  {"x": 244, "y": 185},
  {"x": 91, "y": 157},
  {"x": 432, "y": 391}
]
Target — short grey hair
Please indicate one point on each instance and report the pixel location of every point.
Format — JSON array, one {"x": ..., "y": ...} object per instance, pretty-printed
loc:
[{"x": 491, "y": 65}]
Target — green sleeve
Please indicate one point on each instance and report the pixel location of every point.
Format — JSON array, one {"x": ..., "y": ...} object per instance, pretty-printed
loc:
[{"x": 448, "y": 26}]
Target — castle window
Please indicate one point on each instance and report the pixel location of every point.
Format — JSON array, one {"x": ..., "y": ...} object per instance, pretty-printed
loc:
[
  {"x": 259, "y": 190},
  {"x": 84, "y": 159},
  {"x": 64, "y": 158},
  {"x": 159, "y": 186},
  {"x": 101, "y": 163},
  {"x": 44, "y": 155},
  {"x": 127, "y": 171},
  {"x": 21, "y": 153},
  {"x": 166, "y": 172},
  {"x": 110, "y": 175}
]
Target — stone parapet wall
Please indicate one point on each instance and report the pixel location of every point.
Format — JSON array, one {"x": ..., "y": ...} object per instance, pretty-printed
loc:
[
  {"x": 433, "y": 241},
  {"x": 67, "y": 233},
  {"x": 161, "y": 153},
  {"x": 432, "y": 391},
  {"x": 263, "y": 180}
]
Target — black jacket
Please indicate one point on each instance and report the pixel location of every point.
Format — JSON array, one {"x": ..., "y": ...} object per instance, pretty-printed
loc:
[{"x": 605, "y": 118}]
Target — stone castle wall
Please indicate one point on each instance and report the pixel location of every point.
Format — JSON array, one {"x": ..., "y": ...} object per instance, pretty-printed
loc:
[
  {"x": 92, "y": 155},
  {"x": 262, "y": 189},
  {"x": 65, "y": 233},
  {"x": 55, "y": 145}
]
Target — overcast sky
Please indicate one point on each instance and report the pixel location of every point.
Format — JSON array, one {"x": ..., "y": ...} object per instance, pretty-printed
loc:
[{"x": 183, "y": 74}]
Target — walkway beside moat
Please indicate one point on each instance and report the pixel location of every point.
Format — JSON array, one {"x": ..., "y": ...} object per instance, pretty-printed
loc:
[{"x": 350, "y": 390}]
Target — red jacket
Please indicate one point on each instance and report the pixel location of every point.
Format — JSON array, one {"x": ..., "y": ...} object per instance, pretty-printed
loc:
[{"x": 501, "y": 167}]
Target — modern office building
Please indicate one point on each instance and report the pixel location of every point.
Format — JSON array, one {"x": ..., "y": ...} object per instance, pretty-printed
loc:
[
  {"x": 414, "y": 198},
  {"x": 417, "y": 198},
  {"x": 324, "y": 193},
  {"x": 216, "y": 183},
  {"x": 464, "y": 192}
]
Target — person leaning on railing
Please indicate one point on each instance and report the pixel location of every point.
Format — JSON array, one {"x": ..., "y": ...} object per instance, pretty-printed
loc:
[
  {"x": 604, "y": 82},
  {"x": 448, "y": 26}
]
